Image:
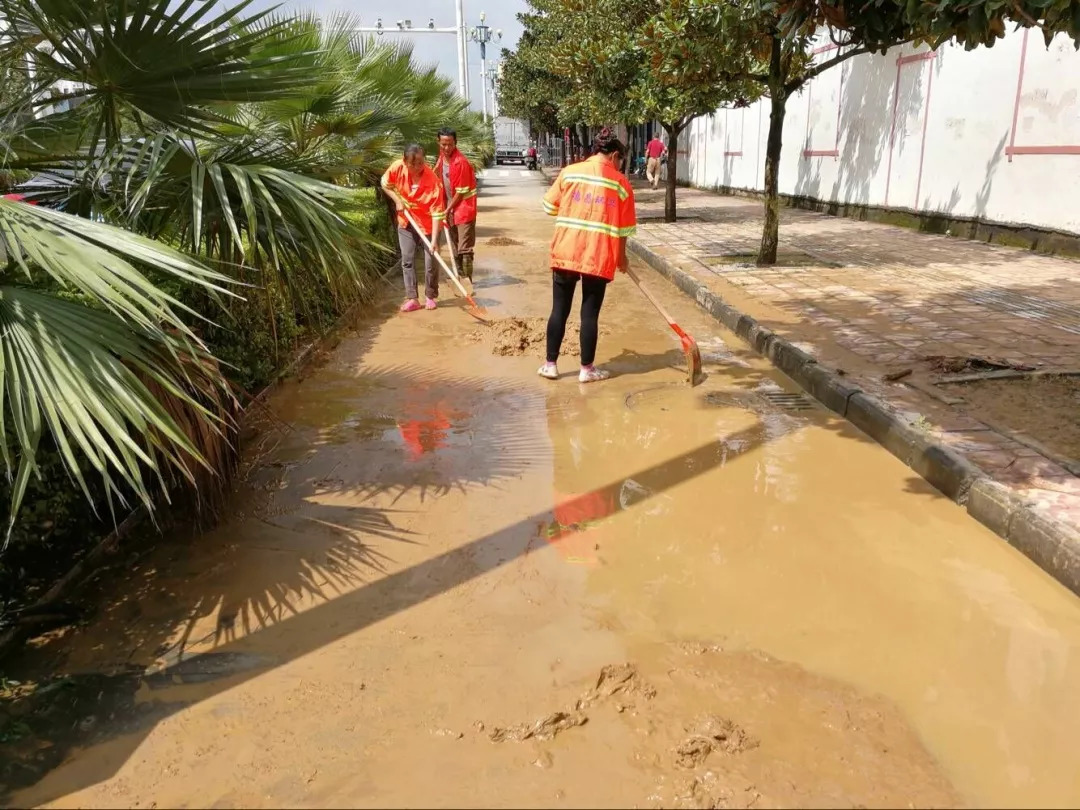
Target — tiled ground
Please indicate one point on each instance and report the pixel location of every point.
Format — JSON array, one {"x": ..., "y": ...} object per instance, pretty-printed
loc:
[{"x": 875, "y": 299}]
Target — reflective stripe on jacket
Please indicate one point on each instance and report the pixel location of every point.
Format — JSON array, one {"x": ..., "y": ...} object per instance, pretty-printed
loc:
[
  {"x": 593, "y": 204},
  {"x": 462, "y": 181},
  {"x": 426, "y": 204}
]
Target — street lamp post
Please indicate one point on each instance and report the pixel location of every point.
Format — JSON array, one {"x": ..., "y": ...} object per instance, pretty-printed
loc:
[{"x": 483, "y": 35}]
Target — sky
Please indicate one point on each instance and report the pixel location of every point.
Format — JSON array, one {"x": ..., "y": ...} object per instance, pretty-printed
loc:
[{"x": 439, "y": 49}]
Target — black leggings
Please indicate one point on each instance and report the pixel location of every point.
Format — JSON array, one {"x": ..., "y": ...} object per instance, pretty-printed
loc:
[{"x": 562, "y": 299}]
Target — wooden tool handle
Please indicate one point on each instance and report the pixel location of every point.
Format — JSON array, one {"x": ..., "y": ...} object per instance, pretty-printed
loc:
[
  {"x": 433, "y": 252},
  {"x": 648, "y": 294}
]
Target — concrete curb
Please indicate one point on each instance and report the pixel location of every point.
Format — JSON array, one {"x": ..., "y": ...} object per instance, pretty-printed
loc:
[{"x": 1052, "y": 545}]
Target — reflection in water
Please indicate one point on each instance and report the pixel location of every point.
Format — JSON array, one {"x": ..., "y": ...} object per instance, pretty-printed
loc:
[
  {"x": 424, "y": 425},
  {"x": 422, "y": 436},
  {"x": 585, "y": 449}
]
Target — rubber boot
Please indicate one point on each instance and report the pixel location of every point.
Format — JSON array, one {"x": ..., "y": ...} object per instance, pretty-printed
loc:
[{"x": 466, "y": 271}]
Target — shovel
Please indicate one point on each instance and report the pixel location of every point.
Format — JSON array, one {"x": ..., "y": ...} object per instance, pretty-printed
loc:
[
  {"x": 689, "y": 345},
  {"x": 474, "y": 308},
  {"x": 453, "y": 259}
]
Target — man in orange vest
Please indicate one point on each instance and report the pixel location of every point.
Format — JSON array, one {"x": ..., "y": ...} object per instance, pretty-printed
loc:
[
  {"x": 412, "y": 185},
  {"x": 459, "y": 185},
  {"x": 594, "y": 208}
]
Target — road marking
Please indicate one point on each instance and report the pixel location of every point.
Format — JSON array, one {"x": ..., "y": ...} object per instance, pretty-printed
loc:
[{"x": 491, "y": 174}]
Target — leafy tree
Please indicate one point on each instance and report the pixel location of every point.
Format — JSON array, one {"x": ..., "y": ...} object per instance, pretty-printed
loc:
[
  {"x": 778, "y": 35},
  {"x": 599, "y": 61},
  {"x": 528, "y": 92}
]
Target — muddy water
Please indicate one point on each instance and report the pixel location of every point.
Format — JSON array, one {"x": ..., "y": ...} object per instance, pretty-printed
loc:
[{"x": 447, "y": 582}]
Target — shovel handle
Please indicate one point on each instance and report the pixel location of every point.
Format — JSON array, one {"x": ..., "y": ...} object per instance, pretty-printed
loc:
[
  {"x": 652, "y": 299},
  {"x": 433, "y": 252},
  {"x": 450, "y": 244}
]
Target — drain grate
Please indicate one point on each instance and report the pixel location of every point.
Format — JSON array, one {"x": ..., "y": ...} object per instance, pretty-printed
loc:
[
  {"x": 751, "y": 400},
  {"x": 789, "y": 402}
]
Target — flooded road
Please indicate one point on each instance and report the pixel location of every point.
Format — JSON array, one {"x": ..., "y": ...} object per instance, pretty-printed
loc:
[{"x": 447, "y": 582}]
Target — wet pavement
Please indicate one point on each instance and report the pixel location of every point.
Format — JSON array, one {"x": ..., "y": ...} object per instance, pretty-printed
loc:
[
  {"x": 904, "y": 313},
  {"x": 447, "y": 582}
]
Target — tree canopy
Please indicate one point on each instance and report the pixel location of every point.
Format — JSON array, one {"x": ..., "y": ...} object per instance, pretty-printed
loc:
[{"x": 625, "y": 61}]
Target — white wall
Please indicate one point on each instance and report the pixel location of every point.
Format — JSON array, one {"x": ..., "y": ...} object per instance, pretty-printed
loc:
[{"x": 921, "y": 131}]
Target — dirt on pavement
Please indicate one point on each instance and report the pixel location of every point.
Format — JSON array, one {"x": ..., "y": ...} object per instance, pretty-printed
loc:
[
  {"x": 1045, "y": 407},
  {"x": 445, "y": 582},
  {"x": 517, "y": 337}
]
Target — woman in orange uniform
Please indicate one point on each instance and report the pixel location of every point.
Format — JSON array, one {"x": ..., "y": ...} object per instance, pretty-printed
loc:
[
  {"x": 593, "y": 204},
  {"x": 412, "y": 185}
]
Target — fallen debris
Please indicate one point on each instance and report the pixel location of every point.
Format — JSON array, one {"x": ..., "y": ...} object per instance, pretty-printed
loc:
[
  {"x": 957, "y": 364},
  {"x": 897, "y": 375}
]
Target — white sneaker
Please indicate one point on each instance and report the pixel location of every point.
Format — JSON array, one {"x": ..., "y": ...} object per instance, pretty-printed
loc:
[
  {"x": 548, "y": 371},
  {"x": 592, "y": 374}
]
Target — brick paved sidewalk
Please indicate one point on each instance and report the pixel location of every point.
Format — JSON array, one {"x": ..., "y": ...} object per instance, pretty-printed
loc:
[{"x": 875, "y": 299}]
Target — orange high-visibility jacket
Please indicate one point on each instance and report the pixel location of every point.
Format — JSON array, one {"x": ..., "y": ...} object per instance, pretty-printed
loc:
[
  {"x": 424, "y": 200},
  {"x": 593, "y": 204},
  {"x": 463, "y": 182}
]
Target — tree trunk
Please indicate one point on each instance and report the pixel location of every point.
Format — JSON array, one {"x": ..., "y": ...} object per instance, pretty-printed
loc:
[
  {"x": 672, "y": 172},
  {"x": 583, "y": 139},
  {"x": 770, "y": 235}
]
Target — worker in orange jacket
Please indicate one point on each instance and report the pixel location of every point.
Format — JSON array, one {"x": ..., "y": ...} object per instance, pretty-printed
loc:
[
  {"x": 593, "y": 204},
  {"x": 412, "y": 185},
  {"x": 459, "y": 185}
]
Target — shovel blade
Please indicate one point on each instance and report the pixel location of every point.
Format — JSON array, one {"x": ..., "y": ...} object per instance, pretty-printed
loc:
[
  {"x": 478, "y": 312},
  {"x": 693, "y": 359}
]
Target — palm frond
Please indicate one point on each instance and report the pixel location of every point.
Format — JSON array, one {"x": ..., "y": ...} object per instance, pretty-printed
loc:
[
  {"x": 170, "y": 63},
  {"x": 78, "y": 372},
  {"x": 250, "y": 204},
  {"x": 98, "y": 261}
]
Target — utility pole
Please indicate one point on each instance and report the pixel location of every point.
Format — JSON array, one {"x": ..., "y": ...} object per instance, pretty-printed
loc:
[
  {"x": 483, "y": 35},
  {"x": 406, "y": 27},
  {"x": 495, "y": 76},
  {"x": 462, "y": 68}
]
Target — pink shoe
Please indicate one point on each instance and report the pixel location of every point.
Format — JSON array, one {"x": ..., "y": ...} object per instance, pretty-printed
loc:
[
  {"x": 431, "y": 304},
  {"x": 410, "y": 306}
]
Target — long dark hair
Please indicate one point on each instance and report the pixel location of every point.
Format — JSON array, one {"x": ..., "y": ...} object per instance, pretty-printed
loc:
[{"x": 605, "y": 143}]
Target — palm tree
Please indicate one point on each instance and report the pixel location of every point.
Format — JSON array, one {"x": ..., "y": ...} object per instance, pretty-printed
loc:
[
  {"x": 94, "y": 348},
  {"x": 180, "y": 153}
]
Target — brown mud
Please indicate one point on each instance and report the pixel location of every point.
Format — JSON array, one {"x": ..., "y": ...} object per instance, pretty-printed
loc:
[
  {"x": 1045, "y": 407},
  {"x": 517, "y": 337},
  {"x": 652, "y": 595}
]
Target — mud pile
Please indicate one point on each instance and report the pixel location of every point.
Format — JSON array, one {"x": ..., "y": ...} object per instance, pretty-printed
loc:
[
  {"x": 741, "y": 729},
  {"x": 615, "y": 680},
  {"x": 518, "y": 337}
]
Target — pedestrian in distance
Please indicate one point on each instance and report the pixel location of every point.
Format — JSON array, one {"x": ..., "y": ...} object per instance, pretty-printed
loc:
[
  {"x": 459, "y": 193},
  {"x": 655, "y": 152},
  {"x": 413, "y": 187},
  {"x": 593, "y": 204}
]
